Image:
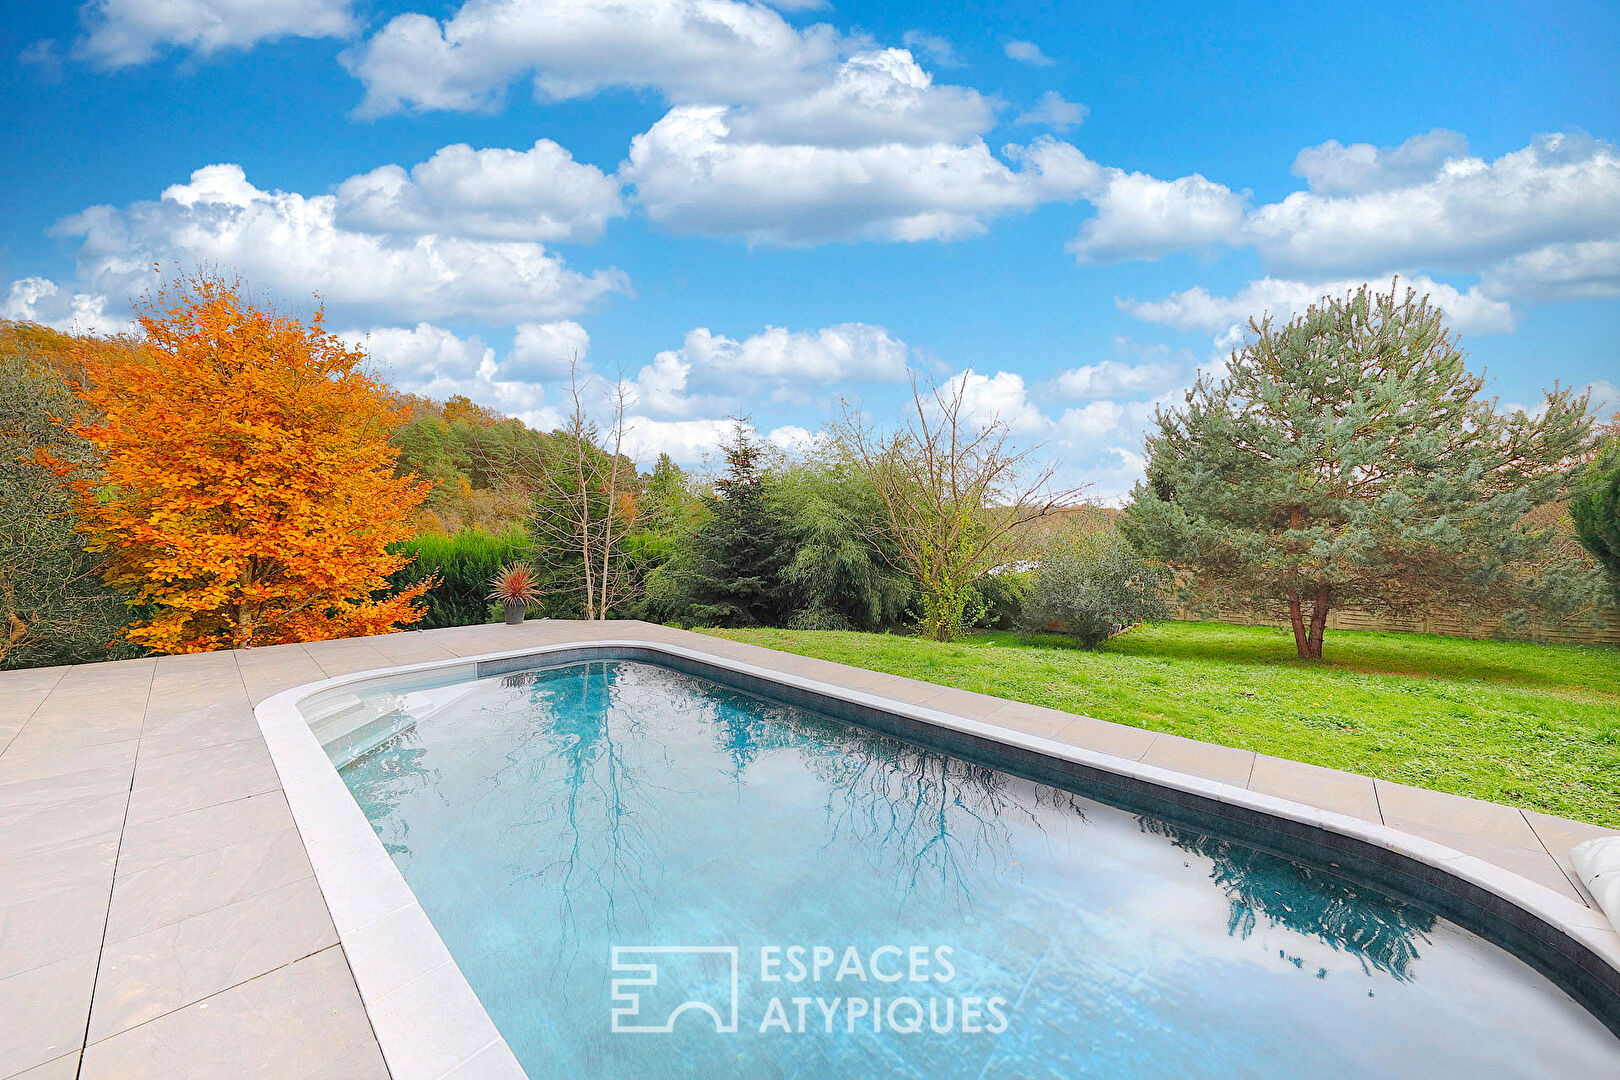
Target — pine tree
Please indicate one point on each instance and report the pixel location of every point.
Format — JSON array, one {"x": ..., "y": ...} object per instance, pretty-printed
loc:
[
  {"x": 741, "y": 549},
  {"x": 1348, "y": 458},
  {"x": 1595, "y": 508}
]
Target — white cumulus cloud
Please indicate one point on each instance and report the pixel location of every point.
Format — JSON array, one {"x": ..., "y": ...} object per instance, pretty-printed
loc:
[
  {"x": 688, "y": 50},
  {"x": 846, "y": 352},
  {"x": 692, "y": 175},
  {"x": 537, "y": 194},
  {"x": 1538, "y": 225},
  {"x": 1586, "y": 270},
  {"x": 1001, "y": 397},
  {"x": 123, "y": 33},
  {"x": 423, "y": 354},
  {"x": 1142, "y": 217},
  {"x": 292, "y": 245},
  {"x": 39, "y": 300},
  {"x": 936, "y": 48},
  {"x": 1198, "y": 309},
  {"x": 1091, "y": 421},
  {"x": 1467, "y": 215},
  {"x": 661, "y": 388},
  {"x": 546, "y": 350},
  {"x": 776, "y": 135},
  {"x": 1111, "y": 378},
  {"x": 1335, "y": 169},
  {"x": 688, "y": 442},
  {"x": 793, "y": 439},
  {"x": 437, "y": 363},
  {"x": 710, "y": 371},
  {"x": 874, "y": 98}
]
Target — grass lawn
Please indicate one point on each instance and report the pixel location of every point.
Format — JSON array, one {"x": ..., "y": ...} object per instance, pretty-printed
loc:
[{"x": 1536, "y": 726}]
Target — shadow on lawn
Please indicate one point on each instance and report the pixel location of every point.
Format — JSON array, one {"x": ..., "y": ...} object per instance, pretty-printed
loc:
[{"x": 1580, "y": 669}]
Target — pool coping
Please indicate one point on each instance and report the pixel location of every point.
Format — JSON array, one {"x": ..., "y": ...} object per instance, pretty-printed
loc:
[{"x": 431, "y": 1025}]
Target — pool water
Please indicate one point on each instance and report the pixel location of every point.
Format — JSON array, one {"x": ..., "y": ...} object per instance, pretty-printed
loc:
[{"x": 878, "y": 909}]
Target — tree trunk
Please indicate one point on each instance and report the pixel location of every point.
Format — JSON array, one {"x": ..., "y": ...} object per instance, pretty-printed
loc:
[
  {"x": 1319, "y": 614},
  {"x": 1308, "y": 638},
  {"x": 244, "y": 612},
  {"x": 1297, "y": 618}
]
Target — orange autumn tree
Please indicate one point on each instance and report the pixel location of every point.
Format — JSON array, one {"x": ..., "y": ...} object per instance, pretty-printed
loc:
[{"x": 246, "y": 494}]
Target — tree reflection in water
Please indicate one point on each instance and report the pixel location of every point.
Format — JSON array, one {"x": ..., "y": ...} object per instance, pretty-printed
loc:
[
  {"x": 923, "y": 820},
  {"x": 1380, "y": 932},
  {"x": 582, "y": 797},
  {"x": 401, "y": 773},
  {"x": 928, "y": 821}
]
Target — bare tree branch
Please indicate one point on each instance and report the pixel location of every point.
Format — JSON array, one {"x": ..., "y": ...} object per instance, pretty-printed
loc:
[{"x": 956, "y": 493}]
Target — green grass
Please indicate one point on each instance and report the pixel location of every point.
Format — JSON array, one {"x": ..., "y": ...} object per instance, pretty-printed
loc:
[{"x": 1536, "y": 726}]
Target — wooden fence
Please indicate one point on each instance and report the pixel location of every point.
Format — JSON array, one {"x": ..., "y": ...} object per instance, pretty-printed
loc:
[{"x": 1469, "y": 626}]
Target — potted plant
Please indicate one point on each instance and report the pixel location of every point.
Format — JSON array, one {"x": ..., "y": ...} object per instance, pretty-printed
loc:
[{"x": 514, "y": 587}]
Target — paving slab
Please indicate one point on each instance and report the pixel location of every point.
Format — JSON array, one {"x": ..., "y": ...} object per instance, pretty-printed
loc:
[
  {"x": 25, "y": 691},
  {"x": 180, "y": 782},
  {"x": 1119, "y": 740},
  {"x": 180, "y": 836},
  {"x": 41, "y": 823},
  {"x": 45, "y": 1011},
  {"x": 295, "y": 1021},
  {"x": 1330, "y": 789},
  {"x": 51, "y": 925},
  {"x": 1030, "y": 719},
  {"x": 87, "y": 860},
  {"x": 170, "y": 891},
  {"x": 25, "y": 761},
  {"x": 153, "y": 973},
  {"x": 1558, "y": 835},
  {"x": 197, "y": 728},
  {"x": 1419, "y": 809},
  {"x": 1223, "y": 763},
  {"x": 65, "y": 1067}
]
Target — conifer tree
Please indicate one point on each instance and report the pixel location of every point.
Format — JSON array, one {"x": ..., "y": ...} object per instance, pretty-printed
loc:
[
  {"x": 741, "y": 548},
  {"x": 1595, "y": 508},
  {"x": 1348, "y": 458}
]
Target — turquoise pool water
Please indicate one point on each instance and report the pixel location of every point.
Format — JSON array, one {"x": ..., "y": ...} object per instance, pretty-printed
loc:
[{"x": 988, "y": 926}]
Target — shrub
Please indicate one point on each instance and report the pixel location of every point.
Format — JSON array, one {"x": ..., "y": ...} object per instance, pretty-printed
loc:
[
  {"x": 996, "y": 600},
  {"x": 464, "y": 564},
  {"x": 1091, "y": 586},
  {"x": 54, "y": 608},
  {"x": 839, "y": 577}
]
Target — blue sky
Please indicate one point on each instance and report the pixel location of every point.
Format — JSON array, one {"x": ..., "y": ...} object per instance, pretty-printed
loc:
[{"x": 754, "y": 209}]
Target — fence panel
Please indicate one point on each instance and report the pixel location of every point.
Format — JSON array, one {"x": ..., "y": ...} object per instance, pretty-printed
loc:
[{"x": 1455, "y": 625}]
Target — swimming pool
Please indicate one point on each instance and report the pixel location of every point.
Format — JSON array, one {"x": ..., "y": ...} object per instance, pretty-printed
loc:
[{"x": 546, "y": 818}]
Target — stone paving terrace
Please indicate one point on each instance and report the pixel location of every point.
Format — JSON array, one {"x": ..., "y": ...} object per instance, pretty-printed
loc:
[{"x": 159, "y": 916}]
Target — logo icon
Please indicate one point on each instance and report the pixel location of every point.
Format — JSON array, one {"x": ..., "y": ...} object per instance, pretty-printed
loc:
[{"x": 705, "y": 982}]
